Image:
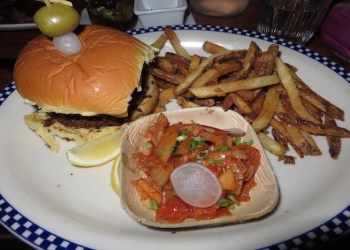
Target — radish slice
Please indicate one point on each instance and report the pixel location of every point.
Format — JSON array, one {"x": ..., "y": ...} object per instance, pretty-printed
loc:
[
  {"x": 196, "y": 185},
  {"x": 235, "y": 131},
  {"x": 231, "y": 131}
]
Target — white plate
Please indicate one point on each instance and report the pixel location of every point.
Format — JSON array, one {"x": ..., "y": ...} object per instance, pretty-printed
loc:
[{"x": 52, "y": 205}]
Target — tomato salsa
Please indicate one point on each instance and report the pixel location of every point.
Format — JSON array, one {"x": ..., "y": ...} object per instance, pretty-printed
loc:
[{"x": 169, "y": 146}]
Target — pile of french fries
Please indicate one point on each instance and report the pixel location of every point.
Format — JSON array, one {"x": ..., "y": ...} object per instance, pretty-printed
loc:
[{"x": 259, "y": 85}]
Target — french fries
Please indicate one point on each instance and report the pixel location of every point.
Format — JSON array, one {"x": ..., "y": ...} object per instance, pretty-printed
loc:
[
  {"x": 174, "y": 40},
  {"x": 209, "y": 76},
  {"x": 267, "y": 111},
  {"x": 271, "y": 145},
  {"x": 217, "y": 71},
  {"x": 284, "y": 111},
  {"x": 160, "y": 42},
  {"x": 195, "y": 61},
  {"x": 334, "y": 142},
  {"x": 248, "y": 63},
  {"x": 319, "y": 101},
  {"x": 289, "y": 85},
  {"x": 166, "y": 65},
  {"x": 166, "y": 96},
  {"x": 300, "y": 144},
  {"x": 313, "y": 128},
  {"x": 221, "y": 89},
  {"x": 161, "y": 74},
  {"x": 187, "y": 82},
  {"x": 265, "y": 62},
  {"x": 233, "y": 98},
  {"x": 212, "y": 48}
]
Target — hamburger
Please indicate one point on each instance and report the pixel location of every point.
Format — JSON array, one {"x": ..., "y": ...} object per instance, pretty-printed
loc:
[{"x": 89, "y": 94}]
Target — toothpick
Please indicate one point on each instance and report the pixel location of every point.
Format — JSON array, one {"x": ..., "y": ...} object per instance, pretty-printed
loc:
[
  {"x": 62, "y": 2},
  {"x": 48, "y": 2}
]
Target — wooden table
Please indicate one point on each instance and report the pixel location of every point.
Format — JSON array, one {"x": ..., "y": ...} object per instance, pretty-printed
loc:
[{"x": 11, "y": 43}]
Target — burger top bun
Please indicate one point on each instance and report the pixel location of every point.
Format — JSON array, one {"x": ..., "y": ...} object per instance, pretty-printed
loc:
[{"x": 97, "y": 80}]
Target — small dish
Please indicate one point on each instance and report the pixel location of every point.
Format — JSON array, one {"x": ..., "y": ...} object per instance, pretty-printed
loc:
[
  {"x": 159, "y": 13},
  {"x": 264, "y": 196}
]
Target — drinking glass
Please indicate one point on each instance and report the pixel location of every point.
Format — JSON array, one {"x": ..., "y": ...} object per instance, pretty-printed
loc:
[{"x": 295, "y": 20}]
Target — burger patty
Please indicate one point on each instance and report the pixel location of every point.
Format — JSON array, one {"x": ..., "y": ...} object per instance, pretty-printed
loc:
[{"x": 79, "y": 121}]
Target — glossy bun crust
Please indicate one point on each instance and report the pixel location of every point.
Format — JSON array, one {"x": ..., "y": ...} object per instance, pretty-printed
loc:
[{"x": 97, "y": 80}]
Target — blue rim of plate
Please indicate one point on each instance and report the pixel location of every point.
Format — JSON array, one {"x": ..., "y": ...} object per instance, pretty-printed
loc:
[{"x": 339, "y": 225}]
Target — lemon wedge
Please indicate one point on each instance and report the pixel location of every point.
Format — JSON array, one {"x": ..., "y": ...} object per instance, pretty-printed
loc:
[
  {"x": 97, "y": 152},
  {"x": 115, "y": 176}
]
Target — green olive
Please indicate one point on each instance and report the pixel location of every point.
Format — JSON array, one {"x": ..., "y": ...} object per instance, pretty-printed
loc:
[{"x": 57, "y": 19}]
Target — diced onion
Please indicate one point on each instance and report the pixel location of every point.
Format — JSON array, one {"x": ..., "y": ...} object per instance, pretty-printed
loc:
[{"x": 68, "y": 44}]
